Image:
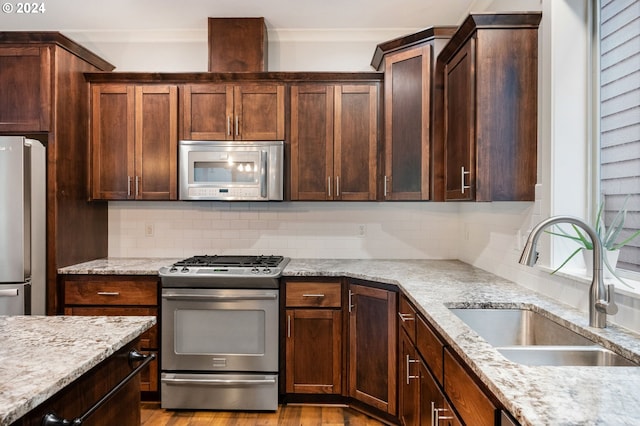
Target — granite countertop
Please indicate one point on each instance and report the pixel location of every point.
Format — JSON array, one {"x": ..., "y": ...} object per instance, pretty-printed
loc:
[
  {"x": 533, "y": 395},
  {"x": 40, "y": 355}
]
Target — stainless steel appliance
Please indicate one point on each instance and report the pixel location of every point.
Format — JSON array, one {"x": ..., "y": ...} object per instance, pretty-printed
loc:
[
  {"x": 220, "y": 333},
  {"x": 233, "y": 171},
  {"x": 22, "y": 225}
]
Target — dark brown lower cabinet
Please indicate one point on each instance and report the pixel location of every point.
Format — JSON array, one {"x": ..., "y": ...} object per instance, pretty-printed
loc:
[
  {"x": 373, "y": 346},
  {"x": 80, "y": 395},
  {"x": 314, "y": 351},
  {"x": 409, "y": 383},
  {"x": 470, "y": 401},
  {"x": 434, "y": 409}
]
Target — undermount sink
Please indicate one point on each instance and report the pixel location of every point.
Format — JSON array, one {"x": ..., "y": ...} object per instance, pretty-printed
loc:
[
  {"x": 595, "y": 356},
  {"x": 529, "y": 338}
]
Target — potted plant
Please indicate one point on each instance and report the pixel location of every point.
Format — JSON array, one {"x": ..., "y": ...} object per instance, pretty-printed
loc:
[{"x": 608, "y": 237}]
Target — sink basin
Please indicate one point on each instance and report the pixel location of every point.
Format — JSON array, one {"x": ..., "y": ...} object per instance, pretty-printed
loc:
[
  {"x": 594, "y": 356},
  {"x": 518, "y": 327},
  {"x": 529, "y": 338}
]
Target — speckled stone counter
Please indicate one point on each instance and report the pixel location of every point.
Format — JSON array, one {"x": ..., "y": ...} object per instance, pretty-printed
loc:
[
  {"x": 533, "y": 395},
  {"x": 40, "y": 355},
  {"x": 119, "y": 266}
]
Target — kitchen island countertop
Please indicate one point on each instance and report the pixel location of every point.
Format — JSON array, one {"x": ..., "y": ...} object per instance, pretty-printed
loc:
[
  {"x": 40, "y": 355},
  {"x": 533, "y": 395}
]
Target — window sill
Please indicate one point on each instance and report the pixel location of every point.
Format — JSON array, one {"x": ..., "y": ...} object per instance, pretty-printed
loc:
[{"x": 632, "y": 289}]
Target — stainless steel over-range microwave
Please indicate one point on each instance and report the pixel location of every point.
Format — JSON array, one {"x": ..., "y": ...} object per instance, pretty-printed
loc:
[{"x": 231, "y": 170}]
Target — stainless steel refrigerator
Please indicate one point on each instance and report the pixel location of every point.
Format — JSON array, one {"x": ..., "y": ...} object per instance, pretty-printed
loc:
[{"x": 22, "y": 225}]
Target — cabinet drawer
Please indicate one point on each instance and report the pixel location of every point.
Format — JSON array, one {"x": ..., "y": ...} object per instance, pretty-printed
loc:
[
  {"x": 470, "y": 401},
  {"x": 96, "y": 292},
  {"x": 148, "y": 339},
  {"x": 314, "y": 294},
  {"x": 407, "y": 315},
  {"x": 430, "y": 347}
]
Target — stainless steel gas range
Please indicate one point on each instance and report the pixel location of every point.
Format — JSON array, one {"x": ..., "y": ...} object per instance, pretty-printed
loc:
[{"x": 220, "y": 332}]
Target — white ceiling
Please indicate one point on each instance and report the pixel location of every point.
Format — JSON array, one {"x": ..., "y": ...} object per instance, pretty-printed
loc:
[{"x": 146, "y": 15}]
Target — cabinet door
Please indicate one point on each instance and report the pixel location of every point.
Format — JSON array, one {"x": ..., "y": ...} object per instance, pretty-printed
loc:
[
  {"x": 112, "y": 141},
  {"x": 258, "y": 112},
  {"x": 355, "y": 142},
  {"x": 407, "y": 91},
  {"x": 372, "y": 347},
  {"x": 156, "y": 141},
  {"x": 311, "y": 142},
  {"x": 459, "y": 92},
  {"x": 470, "y": 401},
  {"x": 25, "y": 79},
  {"x": 434, "y": 408},
  {"x": 408, "y": 382},
  {"x": 208, "y": 112},
  {"x": 314, "y": 351}
]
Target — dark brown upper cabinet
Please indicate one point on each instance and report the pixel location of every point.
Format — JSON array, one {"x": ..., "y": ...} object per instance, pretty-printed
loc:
[
  {"x": 246, "y": 111},
  {"x": 134, "y": 137},
  {"x": 334, "y": 139},
  {"x": 487, "y": 149},
  {"x": 408, "y": 64}
]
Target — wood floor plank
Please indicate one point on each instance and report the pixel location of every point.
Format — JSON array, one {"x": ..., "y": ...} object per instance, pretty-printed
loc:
[{"x": 286, "y": 415}]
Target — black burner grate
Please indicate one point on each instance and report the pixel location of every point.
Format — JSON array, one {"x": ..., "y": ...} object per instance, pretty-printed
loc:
[{"x": 232, "y": 261}]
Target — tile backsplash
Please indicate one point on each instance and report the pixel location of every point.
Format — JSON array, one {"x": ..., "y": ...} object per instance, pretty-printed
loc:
[{"x": 402, "y": 230}]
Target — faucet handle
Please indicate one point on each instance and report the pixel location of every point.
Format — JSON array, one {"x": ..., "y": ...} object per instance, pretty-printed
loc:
[
  {"x": 612, "y": 308},
  {"x": 609, "y": 306}
]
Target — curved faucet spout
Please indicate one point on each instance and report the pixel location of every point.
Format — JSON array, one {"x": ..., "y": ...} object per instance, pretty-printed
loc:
[{"x": 601, "y": 301}]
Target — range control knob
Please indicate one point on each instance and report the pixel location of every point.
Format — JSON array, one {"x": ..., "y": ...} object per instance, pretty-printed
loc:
[
  {"x": 266, "y": 270},
  {"x": 184, "y": 269},
  {"x": 173, "y": 269},
  {"x": 255, "y": 270}
]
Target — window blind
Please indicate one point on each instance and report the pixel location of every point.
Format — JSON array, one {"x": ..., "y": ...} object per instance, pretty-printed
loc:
[{"x": 620, "y": 118}]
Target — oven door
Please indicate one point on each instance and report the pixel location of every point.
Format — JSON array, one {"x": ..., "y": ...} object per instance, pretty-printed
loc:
[{"x": 219, "y": 330}]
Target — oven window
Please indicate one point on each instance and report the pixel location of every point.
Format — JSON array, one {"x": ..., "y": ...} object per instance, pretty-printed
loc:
[
  {"x": 225, "y": 172},
  {"x": 220, "y": 332}
]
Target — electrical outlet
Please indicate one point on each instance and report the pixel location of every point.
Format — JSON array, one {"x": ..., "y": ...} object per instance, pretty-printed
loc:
[
  {"x": 148, "y": 230},
  {"x": 362, "y": 230}
]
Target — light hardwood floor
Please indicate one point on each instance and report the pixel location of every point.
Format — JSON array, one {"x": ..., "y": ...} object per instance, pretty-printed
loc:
[{"x": 287, "y": 415}]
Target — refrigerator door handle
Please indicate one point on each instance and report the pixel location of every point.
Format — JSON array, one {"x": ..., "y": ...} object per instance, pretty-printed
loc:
[{"x": 12, "y": 292}]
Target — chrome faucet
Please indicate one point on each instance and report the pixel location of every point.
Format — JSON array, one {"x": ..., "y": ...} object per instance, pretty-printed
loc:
[{"x": 601, "y": 301}]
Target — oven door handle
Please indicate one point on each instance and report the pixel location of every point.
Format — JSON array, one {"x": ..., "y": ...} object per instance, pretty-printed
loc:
[
  {"x": 216, "y": 297},
  {"x": 219, "y": 382}
]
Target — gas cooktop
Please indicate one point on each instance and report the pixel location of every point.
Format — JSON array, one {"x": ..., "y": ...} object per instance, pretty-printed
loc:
[
  {"x": 216, "y": 271},
  {"x": 231, "y": 261}
]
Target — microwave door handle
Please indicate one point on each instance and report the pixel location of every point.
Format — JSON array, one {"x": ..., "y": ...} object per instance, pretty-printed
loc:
[{"x": 263, "y": 174}]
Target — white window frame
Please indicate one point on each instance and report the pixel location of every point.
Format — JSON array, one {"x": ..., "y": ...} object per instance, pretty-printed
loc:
[{"x": 632, "y": 278}]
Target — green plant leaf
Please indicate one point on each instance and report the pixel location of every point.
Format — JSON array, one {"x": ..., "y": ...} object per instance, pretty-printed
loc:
[
  {"x": 623, "y": 243},
  {"x": 567, "y": 260}
]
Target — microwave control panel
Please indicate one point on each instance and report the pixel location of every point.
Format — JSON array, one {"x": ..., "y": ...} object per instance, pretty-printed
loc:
[{"x": 225, "y": 193}]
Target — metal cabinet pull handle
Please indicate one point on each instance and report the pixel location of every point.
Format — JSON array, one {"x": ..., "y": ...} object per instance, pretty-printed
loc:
[
  {"x": 337, "y": 186},
  {"x": 288, "y": 326},
  {"x": 108, "y": 293},
  {"x": 463, "y": 174},
  {"x": 329, "y": 185},
  {"x": 385, "y": 186},
  {"x": 237, "y": 126},
  {"x": 406, "y": 317},
  {"x": 313, "y": 295},
  {"x": 137, "y": 185},
  {"x": 228, "y": 126},
  {"x": 128, "y": 186},
  {"x": 51, "y": 419},
  {"x": 351, "y": 305},
  {"x": 409, "y": 362}
]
